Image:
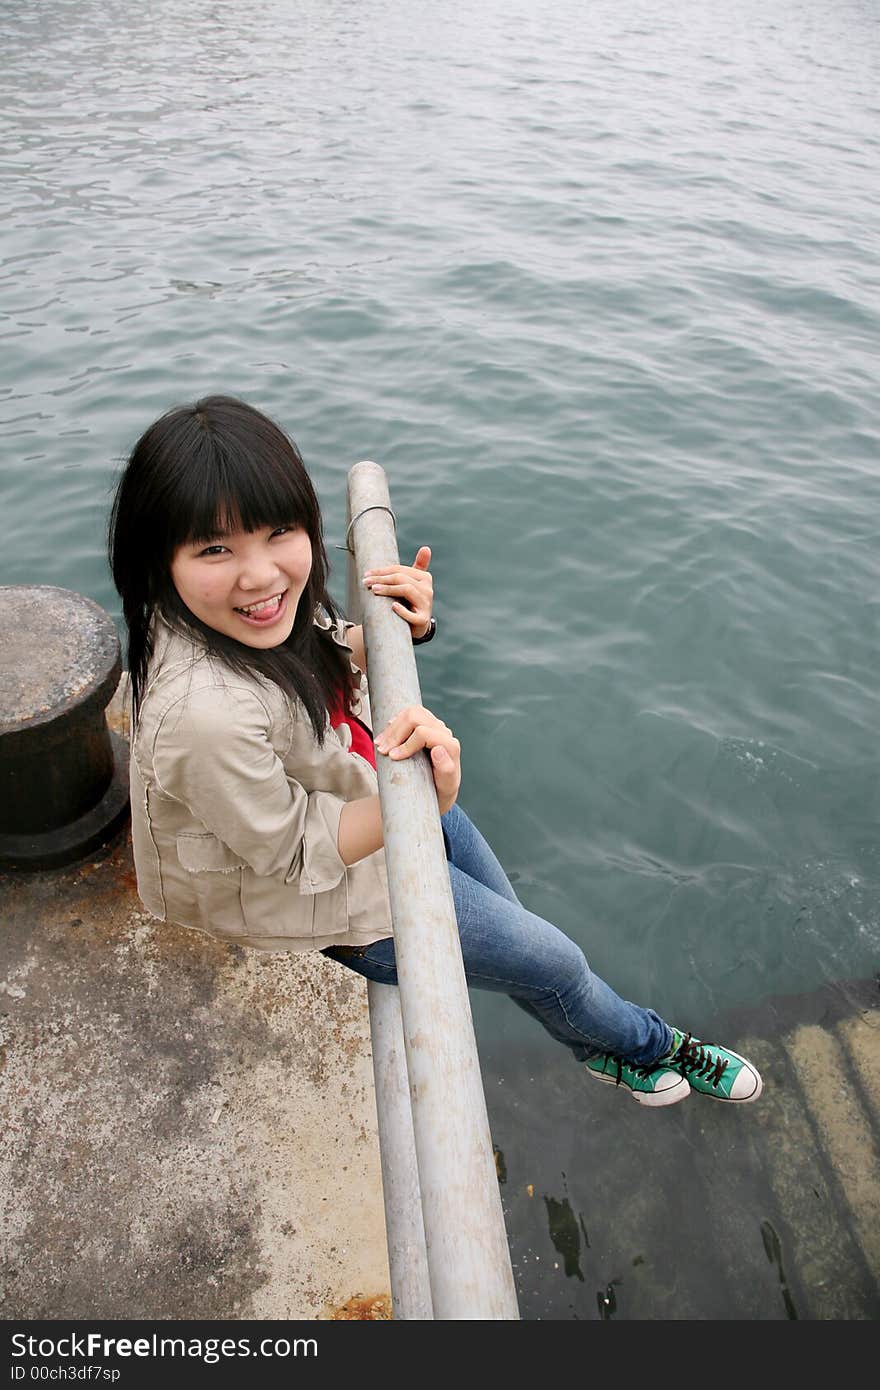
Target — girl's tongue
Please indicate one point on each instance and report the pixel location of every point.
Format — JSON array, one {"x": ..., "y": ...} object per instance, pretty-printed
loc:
[{"x": 265, "y": 613}]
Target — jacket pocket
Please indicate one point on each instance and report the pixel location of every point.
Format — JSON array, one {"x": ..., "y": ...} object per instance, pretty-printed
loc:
[
  {"x": 229, "y": 899},
  {"x": 205, "y": 891},
  {"x": 204, "y": 853}
]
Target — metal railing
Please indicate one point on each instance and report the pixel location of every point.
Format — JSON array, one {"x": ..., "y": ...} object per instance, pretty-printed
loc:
[{"x": 447, "y": 1243}]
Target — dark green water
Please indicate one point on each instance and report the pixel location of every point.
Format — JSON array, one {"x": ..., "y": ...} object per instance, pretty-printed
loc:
[{"x": 597, "y": 284}]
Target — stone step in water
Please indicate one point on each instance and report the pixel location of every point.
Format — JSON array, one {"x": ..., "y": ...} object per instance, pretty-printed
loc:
[
  {"x": 819, "y": 1124},
  {"x": 703, "y": 1210}
]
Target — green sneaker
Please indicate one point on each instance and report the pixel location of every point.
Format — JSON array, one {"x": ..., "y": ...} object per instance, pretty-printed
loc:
[
  {"x": 654, "y": 1085},
  {"x": 714, "y": 1070}
]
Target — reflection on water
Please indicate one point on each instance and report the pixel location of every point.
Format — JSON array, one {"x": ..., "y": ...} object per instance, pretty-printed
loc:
[
  {"x": 607, "y": 1302},
  {"x": 773, "y": 1246},
  {"x": 565, "y": 1233}
]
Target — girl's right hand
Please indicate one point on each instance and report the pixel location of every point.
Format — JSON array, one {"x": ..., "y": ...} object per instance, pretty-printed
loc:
[{"x": 414, "y": 728}]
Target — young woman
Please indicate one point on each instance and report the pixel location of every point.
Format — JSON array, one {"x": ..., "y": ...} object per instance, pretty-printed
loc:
[{"x": 255, "y": 814}]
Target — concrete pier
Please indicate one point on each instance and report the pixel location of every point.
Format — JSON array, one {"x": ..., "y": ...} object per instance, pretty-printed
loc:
[{"x": 187, "y": 1130}]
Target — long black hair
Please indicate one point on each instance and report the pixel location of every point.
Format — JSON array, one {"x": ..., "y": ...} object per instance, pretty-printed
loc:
[{"x": 220, "y": 464}]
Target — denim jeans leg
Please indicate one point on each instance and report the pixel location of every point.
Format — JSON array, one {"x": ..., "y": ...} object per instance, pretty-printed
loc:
[
  {"x": 509, "y": 950},
  {"x": 468, "y": 851}
]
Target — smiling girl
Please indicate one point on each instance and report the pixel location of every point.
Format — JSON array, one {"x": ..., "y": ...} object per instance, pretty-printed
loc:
[{"x": 255, "y": 812}]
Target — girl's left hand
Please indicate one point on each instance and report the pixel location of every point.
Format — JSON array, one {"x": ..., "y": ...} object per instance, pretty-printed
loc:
[
  {"x": 414, "y": 728},
  {"x": 410, "y": 582}
]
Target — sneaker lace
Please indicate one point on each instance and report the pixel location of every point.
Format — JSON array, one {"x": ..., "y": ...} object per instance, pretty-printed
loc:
[
  {"x": 641, "y": 1072},
  {"x": 692, "y": 1056}
]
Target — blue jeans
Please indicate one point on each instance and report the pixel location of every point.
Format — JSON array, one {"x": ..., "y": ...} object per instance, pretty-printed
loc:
[{"x": 508, "y": 949}]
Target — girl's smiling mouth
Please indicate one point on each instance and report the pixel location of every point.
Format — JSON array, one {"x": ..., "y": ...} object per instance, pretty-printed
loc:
[{"x": 264, "y": 611}]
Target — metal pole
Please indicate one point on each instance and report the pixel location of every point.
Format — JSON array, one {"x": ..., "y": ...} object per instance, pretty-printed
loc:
[
  {"x": 468, "y": 1256},
  {"x": 404, "y": 1227}
]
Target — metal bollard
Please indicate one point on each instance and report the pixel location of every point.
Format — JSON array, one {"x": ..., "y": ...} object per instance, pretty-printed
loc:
[{"x": 63, "y": 774}]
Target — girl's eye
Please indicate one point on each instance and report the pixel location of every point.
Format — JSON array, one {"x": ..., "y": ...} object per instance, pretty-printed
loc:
[
  {"x": 283, "y": 530},
  {"x": 213, "y": 550}
]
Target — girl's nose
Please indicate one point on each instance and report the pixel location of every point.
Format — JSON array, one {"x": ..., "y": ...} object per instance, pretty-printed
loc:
[{"x": 258, "y": 572}]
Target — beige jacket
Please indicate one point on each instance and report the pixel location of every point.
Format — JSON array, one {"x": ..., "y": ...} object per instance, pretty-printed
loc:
[{"x": 235, "y": 808}]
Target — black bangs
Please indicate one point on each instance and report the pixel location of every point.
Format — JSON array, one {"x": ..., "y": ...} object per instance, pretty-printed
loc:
[{"x": 236, "y": 475}]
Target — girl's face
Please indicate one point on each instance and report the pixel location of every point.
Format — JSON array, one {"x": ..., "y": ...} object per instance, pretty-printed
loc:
[{"x": 246, "y": 584}]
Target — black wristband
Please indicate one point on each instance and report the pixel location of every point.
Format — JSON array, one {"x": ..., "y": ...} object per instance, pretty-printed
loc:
[{"x": 429, "y": 635}]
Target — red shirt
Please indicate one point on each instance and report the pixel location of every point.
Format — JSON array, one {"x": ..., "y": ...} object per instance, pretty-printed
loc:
[{"x": 361, "y": 737}]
